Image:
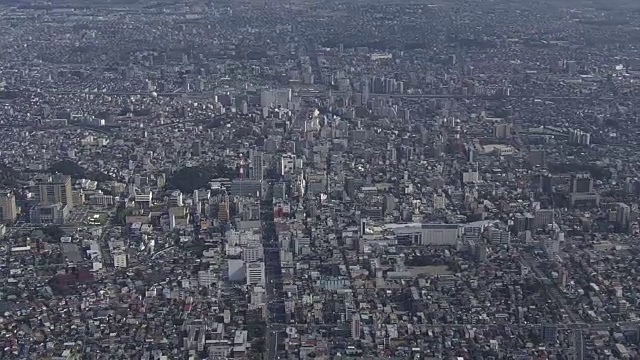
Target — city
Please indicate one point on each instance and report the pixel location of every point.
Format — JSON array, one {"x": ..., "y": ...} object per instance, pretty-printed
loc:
[{"x": 320, "y": 180}]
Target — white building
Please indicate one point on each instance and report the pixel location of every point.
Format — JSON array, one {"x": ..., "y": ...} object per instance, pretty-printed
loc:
[
  {"x": 176, "y": 199},
  {"x": 207, "y": 278},
  {"x": 428, "y": 234},
  {"x": 101, "y": 199},
  {"x": 253, "y": 253},
  {"x": 120, "y": 259},
  {"x": 255, "y": 273},
  {"x": 287, "y": 164}
]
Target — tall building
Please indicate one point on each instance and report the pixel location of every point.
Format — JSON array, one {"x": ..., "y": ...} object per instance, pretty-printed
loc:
[
  {"x": 502, "y": 131},
  {"x": 49, "y": 214},
  {"x": 256, "y": 165},
  {"x": 578, "y": 137},
  {"x": 8, "y": 210},
  {"x": 546, "y": 184},
  {"x": 223, "y": 210},
  {"x": 356, "y": 327},
  {"x": 542, "y": 218},
  {"x": 256, "y": 273},
  {"x": 623, "y": 213},
  {"x": 581, "y": 184},
  {"x": 54, "y": 189}
]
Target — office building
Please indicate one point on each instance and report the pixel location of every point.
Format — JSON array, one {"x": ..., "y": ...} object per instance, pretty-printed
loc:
[
  {"x": 54, "y": 189},
  {"x": 55, "y": 214},
  {"x": 236, "y": 270},
  {"x": 427, "y": 234},
  {"x": 207, "y": 278},
  {"x": 502, "y": 131},
  {"x": 287, "y": 164},
  {"x": 356, "y": 327},
  {"x": 120, "y": 259},
  {"x": 546, "y": 184},
  {"x": 8, "y": 209},
  {"x": 255, "y": 273},
  {"x": 240, "y": 187},
  {"x": 623, "y": 214},
  {"x": 581, "y": 184},
  {"x": 542, "y": 218},
  {"x": 176, "y": 199},
  {"x": 256, "y": 165},
  {"x": 549, "y": 333},
  {"x": 578, "y": 137}
]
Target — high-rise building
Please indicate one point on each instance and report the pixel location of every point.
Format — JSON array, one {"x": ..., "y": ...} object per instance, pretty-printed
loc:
[
  {"x": 502, "y": 131},
  {"x": 581, "y": 184},
  {"x": 623, "y": 213},
  {"x": 543, "y": 217},
  {"x": 546, "y": 184},
  {"x": 223, "y": 210},
  {"x": 49, "y": 214},
  {"x": 54, "y": 189},
  {"x": 8, "y": 210},
  {"x": 256, "y": 165},
  {"x": 256, "y": 273},
  {"x": 549, "y": 333},
  {"x": 356, "y": 327},
  {"x": 578, "y": 137}
]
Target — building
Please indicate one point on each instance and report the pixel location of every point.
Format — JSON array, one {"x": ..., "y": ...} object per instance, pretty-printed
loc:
[
  {"x": 549, "y": 333},
  {"x": 623, "y": 214},
  {"x": 439, "y": 201},
  {"x": 356, "y": 327},
  {"x": 223, "y": 210},
  {"x": 581, "y": 190},
  {"x": 581, "y": 184},
  {"x": 253, "y": 253},
  {"x": 176, "y": 199},
  {"x": 546, "y": 184},
  {"x": 236, "y": 270},
  {"x": 502, "y": 131},
  {"x": 287, "y": 164},
  {"x": 8, "y": 209},
  {"x": 256, "y": 165},
  {"x": 427, "y": 234},
  {"x": 55, "y": 214},
  {"x": 101, "y": 199},
  {"x": 275, "y": 98},
  {"x": 54, "y": 189},
  {"x": 242, "y": 187},
  {"x": 255, "y": 273},
  {"x": 578, "y": 137},
  {"x": 542, "y": 218},
  {"x": 207, "y": 278},
  {"x": 120, "y": 259}
]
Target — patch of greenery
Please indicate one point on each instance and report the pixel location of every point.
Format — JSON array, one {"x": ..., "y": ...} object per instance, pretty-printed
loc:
[
  {"x": 193, "y": 178},
  {"x": 73, "y": 169},
  {"x": 55, "y": 233},
  {"x": 120, "y": 217}
]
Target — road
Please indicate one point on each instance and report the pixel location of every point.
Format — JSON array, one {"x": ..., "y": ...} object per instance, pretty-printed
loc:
[
  {"x": 552, "y": 289},
  {"x": 578, "y": 344},
  {"x": 577, "y": 327},
  {"x": 275, "y": 307}
]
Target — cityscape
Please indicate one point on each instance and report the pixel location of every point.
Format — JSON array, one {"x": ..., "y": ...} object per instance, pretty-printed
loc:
[{"x": 296, "y": 179}]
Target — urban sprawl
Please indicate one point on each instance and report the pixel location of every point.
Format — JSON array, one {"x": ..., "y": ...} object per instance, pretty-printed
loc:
[{"x": 289, "y": 179}]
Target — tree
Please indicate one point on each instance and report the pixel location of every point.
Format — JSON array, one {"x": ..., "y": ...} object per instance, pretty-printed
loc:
[
  {"x": 54, "y": 232},
  {"x": 193, "y": 178},
  {"x": 73, "y": 169}
]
